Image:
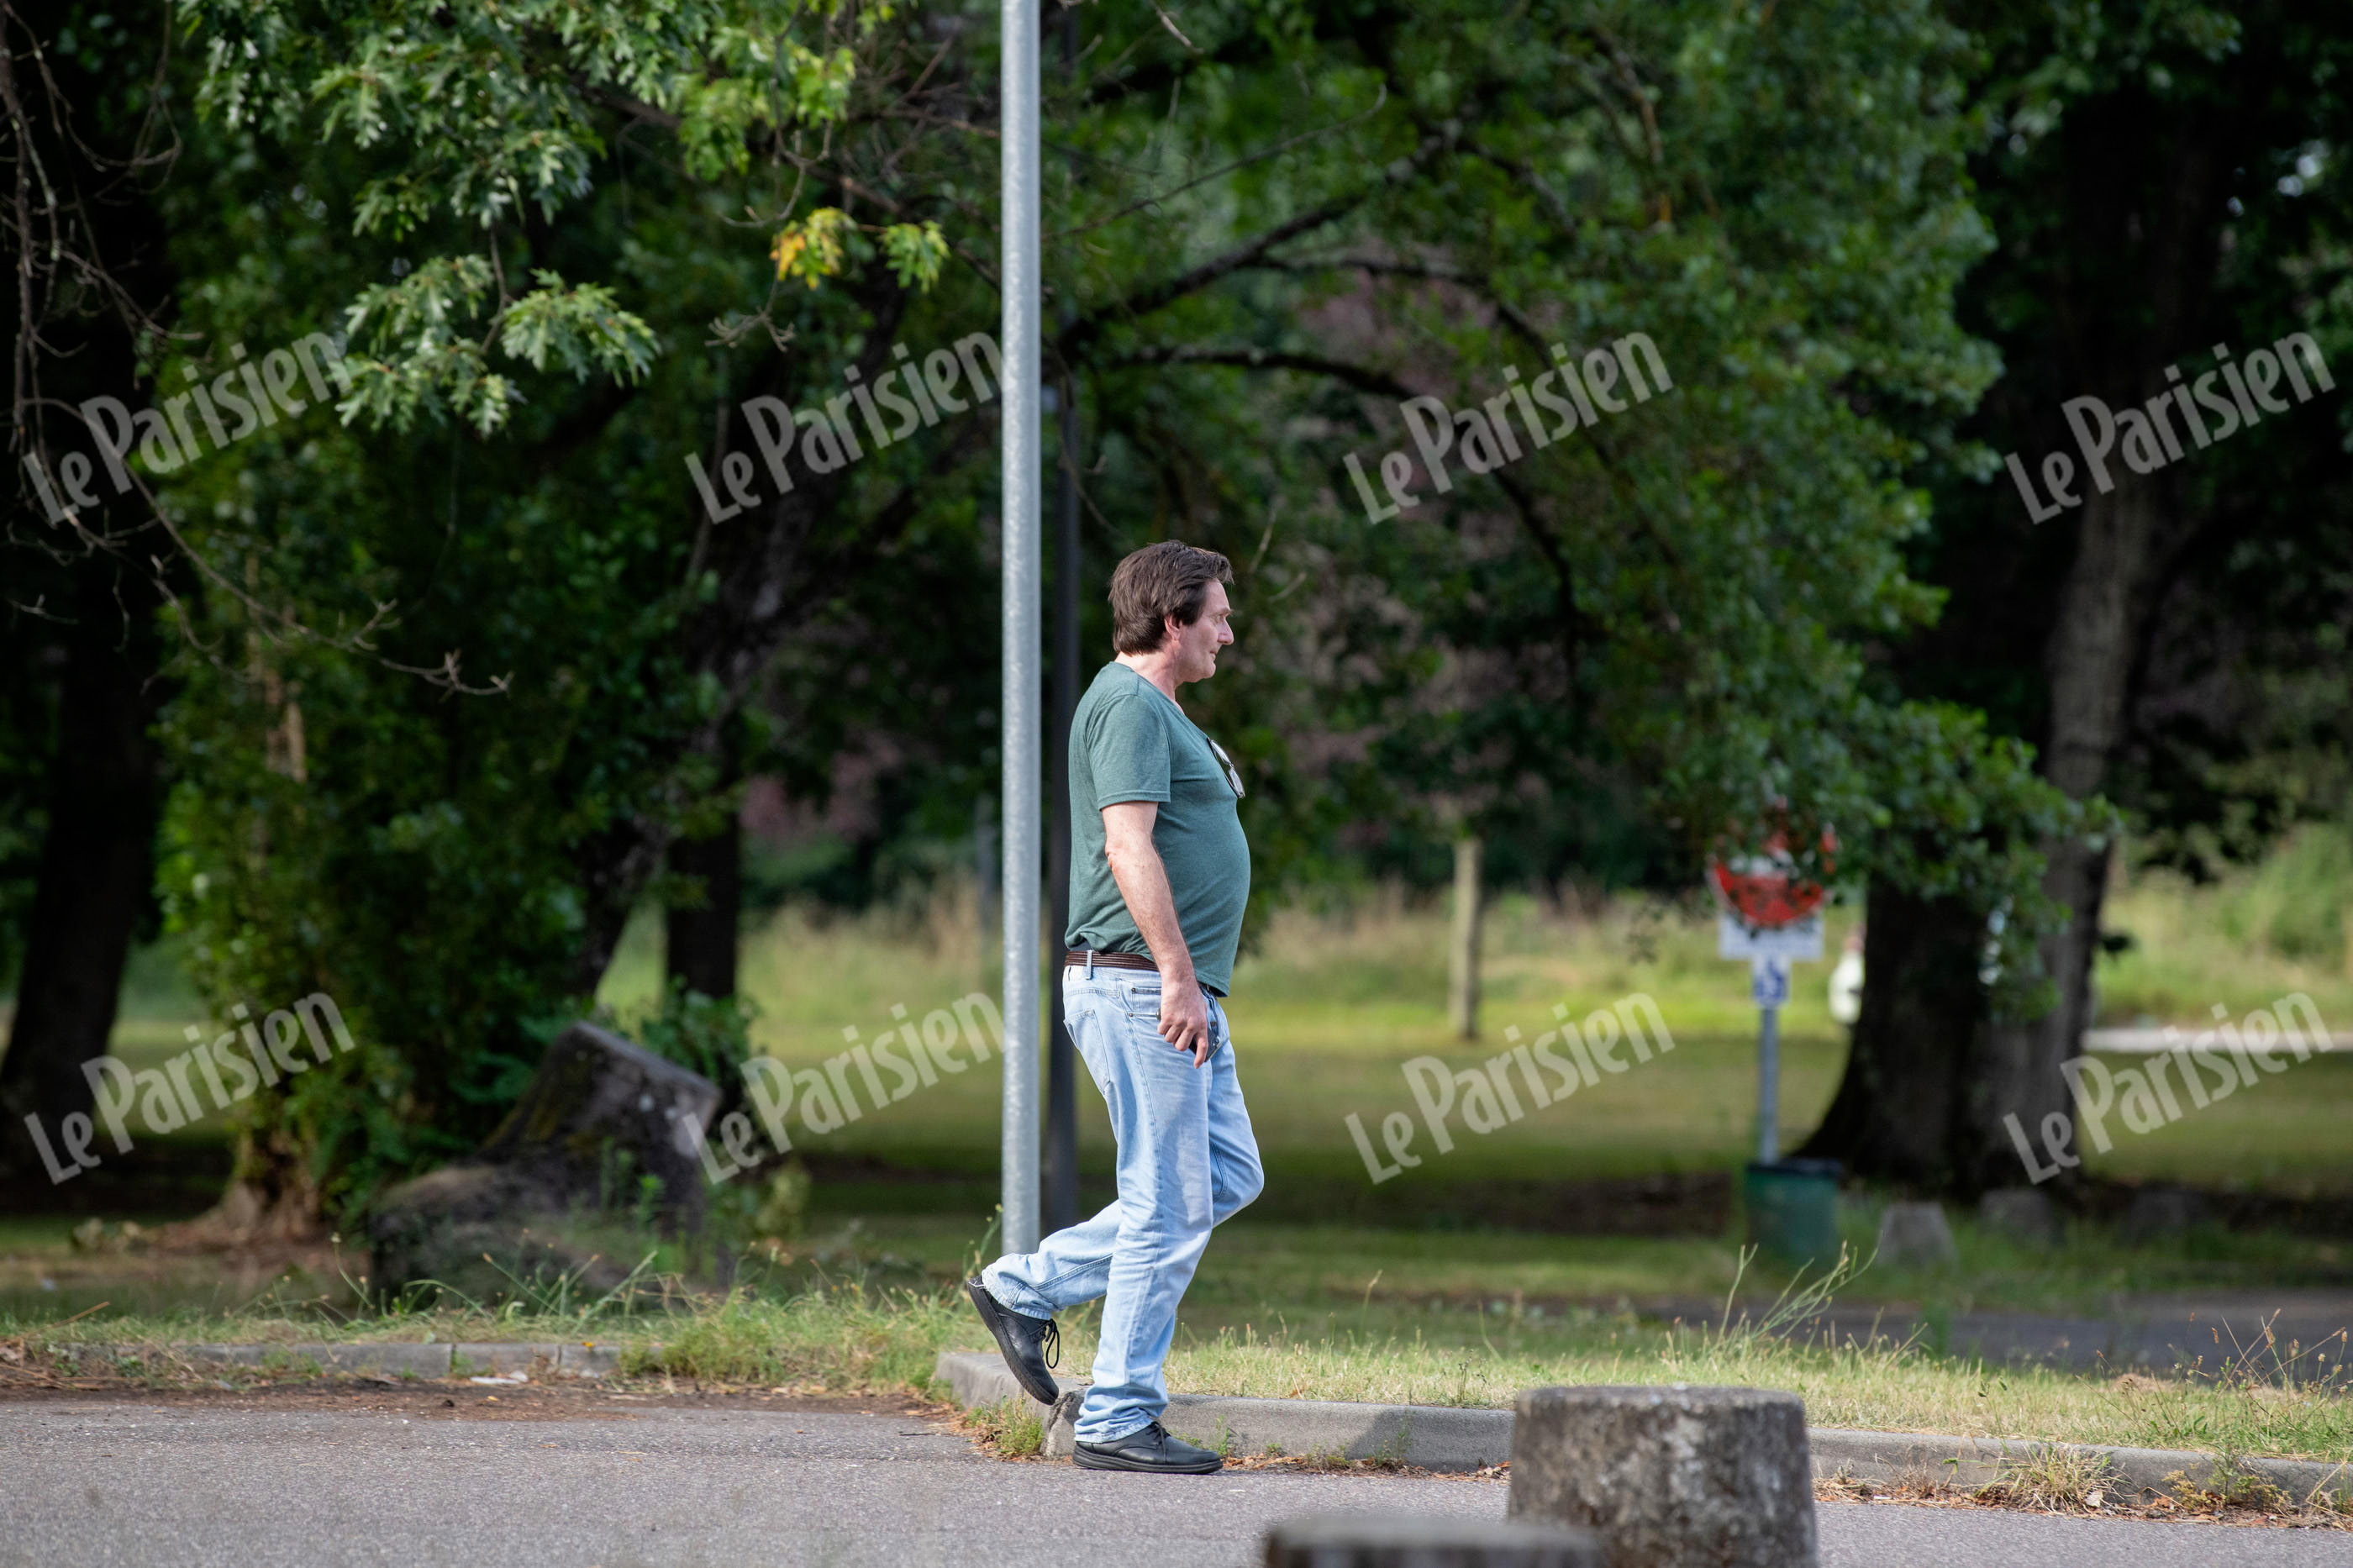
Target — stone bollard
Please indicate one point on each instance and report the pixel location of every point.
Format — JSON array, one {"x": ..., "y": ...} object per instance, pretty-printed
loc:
[
  {"x": 2164, "y": 1213},
  {"x": 1915, "y": 1236},
  {"x": 1670, "y": 1475},
  {"x": 2021, "y": 1213},
  {"x": 1428, "y": 1540}
]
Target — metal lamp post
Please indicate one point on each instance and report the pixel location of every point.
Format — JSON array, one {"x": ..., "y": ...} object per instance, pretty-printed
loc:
[{"x": 1018, "y": 160}]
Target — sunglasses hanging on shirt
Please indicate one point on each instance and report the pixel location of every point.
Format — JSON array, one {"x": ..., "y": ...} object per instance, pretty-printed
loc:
[{"x": 1233, "y": 774}]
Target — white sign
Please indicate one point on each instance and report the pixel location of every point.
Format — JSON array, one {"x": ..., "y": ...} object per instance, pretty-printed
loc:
[
  {"x": 1798, "y": 942},
  {"x": 1768, "y": 982}
]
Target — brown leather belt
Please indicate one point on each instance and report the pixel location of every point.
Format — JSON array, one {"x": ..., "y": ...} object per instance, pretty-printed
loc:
[{"x": 1078, "y": 957}]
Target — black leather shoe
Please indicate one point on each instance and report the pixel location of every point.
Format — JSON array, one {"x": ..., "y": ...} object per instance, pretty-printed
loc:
[
  {"x": 1030, "y": 1345},
  {"x": 1150, "y": 1449}
]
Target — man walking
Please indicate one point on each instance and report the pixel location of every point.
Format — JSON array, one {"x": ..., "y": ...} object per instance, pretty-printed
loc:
[{"x": 1159, "y": 873}]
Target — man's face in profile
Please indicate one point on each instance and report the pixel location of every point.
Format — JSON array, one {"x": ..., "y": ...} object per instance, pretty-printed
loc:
[{"x": 1195, "y": 646}]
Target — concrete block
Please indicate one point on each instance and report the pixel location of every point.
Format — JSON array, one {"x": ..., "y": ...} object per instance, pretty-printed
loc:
[
  {"x": 1062, "y": 1424},
  {"x": 1423, "y": 1540},
  {"x": 981, "y": 1377},
  {"x": 589, "y": 1361},
  {"x": 2021, "y": 1213},
  {"x": 383, "y": 1360},
  {"x": 387, "y": 1361},
  {"x": 1915, "y": 1236},
  {"x": 1431, "y": 1436},
  {"x": 1671, "y": 1474},
  {"x": 496, "y": 1360}
]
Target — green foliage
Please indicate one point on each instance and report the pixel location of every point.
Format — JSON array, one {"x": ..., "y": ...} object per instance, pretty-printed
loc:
[
  {"x": 2294, "y": 902},
  {"x": 784, "y": 1212},
  {"x": 430, "y": 860},
  {"x": 1676, "y": 605},
  {"x": 2164, "y": 178},
  {"x": 1661, "y": 629},
  {"x": 487, "y": 112},
  {"x": 711, "y": 1035}
]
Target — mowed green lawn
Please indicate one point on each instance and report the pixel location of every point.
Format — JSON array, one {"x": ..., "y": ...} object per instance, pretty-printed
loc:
[{"x": 1325, "y": 1013}]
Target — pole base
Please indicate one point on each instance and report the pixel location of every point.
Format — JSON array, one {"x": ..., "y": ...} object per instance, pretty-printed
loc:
[{"x": 1792, "y": 1210}]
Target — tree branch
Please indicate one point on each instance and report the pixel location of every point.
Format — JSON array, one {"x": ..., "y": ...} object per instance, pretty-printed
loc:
[{"x": 1359, "y": 376}]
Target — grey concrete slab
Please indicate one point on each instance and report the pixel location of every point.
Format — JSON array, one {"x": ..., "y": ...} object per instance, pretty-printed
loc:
[
  {"x": 590, "y": 1359},
  {"x": 102, "y": 1485},
  {"x": 493, "y": 1360},
  {"x": 385, "y": 1360}
]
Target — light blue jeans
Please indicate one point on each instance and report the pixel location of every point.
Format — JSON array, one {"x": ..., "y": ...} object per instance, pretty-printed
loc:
[{"x": 1188, "y": 1160}]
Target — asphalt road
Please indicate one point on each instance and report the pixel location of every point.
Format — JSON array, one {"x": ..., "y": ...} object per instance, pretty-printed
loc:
[{"x": 615, "y": 1485}]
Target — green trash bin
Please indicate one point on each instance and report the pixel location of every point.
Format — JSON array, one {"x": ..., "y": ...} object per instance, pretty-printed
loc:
[{"x": 1792, "y": 1207}]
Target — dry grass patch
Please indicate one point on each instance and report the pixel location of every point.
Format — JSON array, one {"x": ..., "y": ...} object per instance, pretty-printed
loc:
[{"x": 1008, "y": 1429}]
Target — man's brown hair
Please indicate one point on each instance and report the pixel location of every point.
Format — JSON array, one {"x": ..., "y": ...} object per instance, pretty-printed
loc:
[{"x": 1169, "y": 578}]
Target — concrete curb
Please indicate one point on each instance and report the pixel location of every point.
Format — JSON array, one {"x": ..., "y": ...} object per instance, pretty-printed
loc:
[
  {"x": 1445, "y": 1437},
  {"x": 1434, "y": 1436},
  {"x": 437, "y": 1361},
  {"x": 1978, "y": 1461}
]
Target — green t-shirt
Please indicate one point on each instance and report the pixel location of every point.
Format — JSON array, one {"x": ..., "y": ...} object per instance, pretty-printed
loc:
[{"x": 1130, "y": 741}]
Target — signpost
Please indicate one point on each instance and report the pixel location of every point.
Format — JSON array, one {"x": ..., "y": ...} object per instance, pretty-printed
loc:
[
  {"x": 1772, "y": 919},
  {"x": 1772, "y": 922}
]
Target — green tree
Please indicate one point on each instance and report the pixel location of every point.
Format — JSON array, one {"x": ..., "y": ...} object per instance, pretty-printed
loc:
[
  {"x": 85, "y": 126},
  {"x": 1266, "y": 234},
  {"x": 2161, "y": 179}
]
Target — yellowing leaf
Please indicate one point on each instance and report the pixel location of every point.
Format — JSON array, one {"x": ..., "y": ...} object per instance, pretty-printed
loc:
[{"x": 811, "y": 249}]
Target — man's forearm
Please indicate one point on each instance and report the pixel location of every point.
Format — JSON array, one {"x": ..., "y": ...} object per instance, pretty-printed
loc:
[{"x": 1144, "y": 884}]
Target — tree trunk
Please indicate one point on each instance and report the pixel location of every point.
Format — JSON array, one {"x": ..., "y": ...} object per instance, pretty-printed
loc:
[
  {"x": 2126, "y": 273},
  {"x": 97, "y": 868},
  {"x": 2102, "y": 619},
  {"x": 1916, "y": 1044},
  {"x": 700, "y": 940},
  {"x": 89, "y": 270}
]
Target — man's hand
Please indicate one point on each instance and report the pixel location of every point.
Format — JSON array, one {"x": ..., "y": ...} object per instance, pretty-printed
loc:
[
  {"x": 1144, "y": 884},
  {"x": 1185, "y": 1016}
]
